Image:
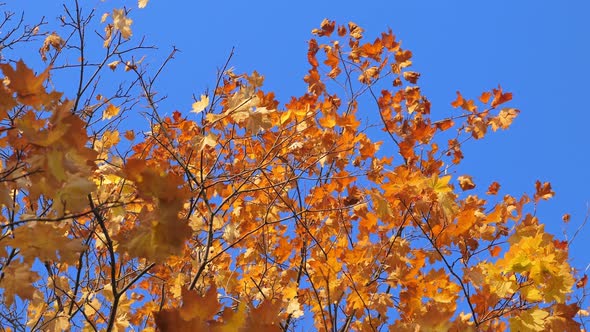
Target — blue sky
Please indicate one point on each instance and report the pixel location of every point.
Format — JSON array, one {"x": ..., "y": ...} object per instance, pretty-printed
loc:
[{"x": 538, "y": 50}]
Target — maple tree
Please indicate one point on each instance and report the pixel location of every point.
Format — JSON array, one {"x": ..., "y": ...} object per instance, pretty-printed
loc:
[{"x": 245, "y": 214}]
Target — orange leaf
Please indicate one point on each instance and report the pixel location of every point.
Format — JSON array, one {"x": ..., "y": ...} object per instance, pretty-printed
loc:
[
  {"x": 196, "y": 311},
  {"x": 130, "y": 135},
  {"x": 372, "y": 50},
  {"x": 485, "y": 97},
  {"x": 499, "y": 97},
  {"x": 110, "y": 112},
  {"x": 53, "y": 40},
  {"x": 411, "y": 76},
  {"x": 356, "y": 32},
  {"x": 495, "y": 251},
  {"x": 493, "y": 188},
  {"x": 466, "y": 182},
  {"x": 459, "y": 101},
  {"x": 28, "y": 87},
  {"x": 402, "y": 57},
  {"x": 326, "y": 28},
  {"x": 444, "y": 124},
  {"x": 582, "y": 282},
  {"x": 543, "y": 191}
]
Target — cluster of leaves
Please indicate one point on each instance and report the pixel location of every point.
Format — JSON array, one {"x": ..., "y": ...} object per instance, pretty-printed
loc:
[{"x": 243, "y": 214}]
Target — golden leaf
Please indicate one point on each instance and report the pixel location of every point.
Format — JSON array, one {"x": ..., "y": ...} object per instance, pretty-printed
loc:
[
  {"x": 28, "y": 87},
  {"x": 466, "y": 182},
  {"x": 201, "y": 104},
  {"x": 504, "y": 118},
  {"x": 122, "y": 23},
  {"x": 18, "y": 280},
  {"x": 110, "y": 112},
  {"x": 543, "y": 191},
  {"x": 529, "y": 320},
  {"x": 52, "y": 40},
  {"x": 113, "y": 64},
  {"x": 46, "y": 247}
]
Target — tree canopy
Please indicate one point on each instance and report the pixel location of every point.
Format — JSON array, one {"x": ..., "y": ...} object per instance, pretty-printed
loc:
[{"x": 338, "y": 208}]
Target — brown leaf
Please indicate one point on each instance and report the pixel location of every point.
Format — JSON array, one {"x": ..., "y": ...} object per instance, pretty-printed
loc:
[{"x": 466, "y": 182}]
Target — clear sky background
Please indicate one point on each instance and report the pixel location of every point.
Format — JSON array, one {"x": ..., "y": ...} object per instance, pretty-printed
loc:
[{"x": 539, "y": 50}]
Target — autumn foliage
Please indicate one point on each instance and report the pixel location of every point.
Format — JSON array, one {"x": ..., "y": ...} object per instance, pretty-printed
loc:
[{"x": 338, "y": 208}]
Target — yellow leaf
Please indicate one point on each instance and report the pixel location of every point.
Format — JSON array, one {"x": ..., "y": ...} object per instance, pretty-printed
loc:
[
  {"x": 200, "y": 105},
  {"x": 73, "y": 196},
  {"x": 440, "y": 185},
  {"x": 233, "y": 320},
  {"x": 156, "y": 240},
  {"x": 504, "y": 118},
  {"x": 18, "y": 280},
  {"x": 110, "y": 112},
  {"x": 230, "y": 233},
  {"x": 45, "y": 248},
  {"x": 529, "y": 320},
  {"x": 122, "y": 23},
  {"x": 113, "y": 65},
  {"x": 110, "y": 138},
  {"x": 142, "y": 3},
  {"x": 294, "y": 308},
  {"x": 53, "y": 40}
]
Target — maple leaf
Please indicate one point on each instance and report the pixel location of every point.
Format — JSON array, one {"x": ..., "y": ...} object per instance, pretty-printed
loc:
[
  {"x": 504, "y": 118},
  {"x": 7, "y": 101},
  {"x": 563, "y": 318},
  {"x": 294, "y": 308},
  {"x": 356, "y": 32},
  {"x": 195, "y": 314},
  {"x": 493, "y": 188},
  {"x": 495, "y": 251},
  {"x": 122, "y": 23},
  {"x": 113, "y": 65},
  {"x": 155, "y": 239},
  {"x": 529, "y": 320},
  {"x": 18, "y": 280},
  {"x": 411, "y": 76},
  {"x": 499, "y": 97},
  {"x": 466, "y": 182},
  {"x": 201, "y": 104},
  {"x": 46, "y": 247},
  {"x": 28, "y": 87},
  {"x": 485, "y": 97},
  {"x": 73, "y": 196},
  {"x": 326, "y": 28},
  {"x": 110, "y": 112},
  {"x": 402, "y": 57},
  {"x": 459, "y": 101},
  {"x": 130, "y": 135},
  {"x": 52, "y": 40},
  {"x": 543, "y": 191},
  {"x": 444, "y": 124},
  {"x": 265, "y": 317}
]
